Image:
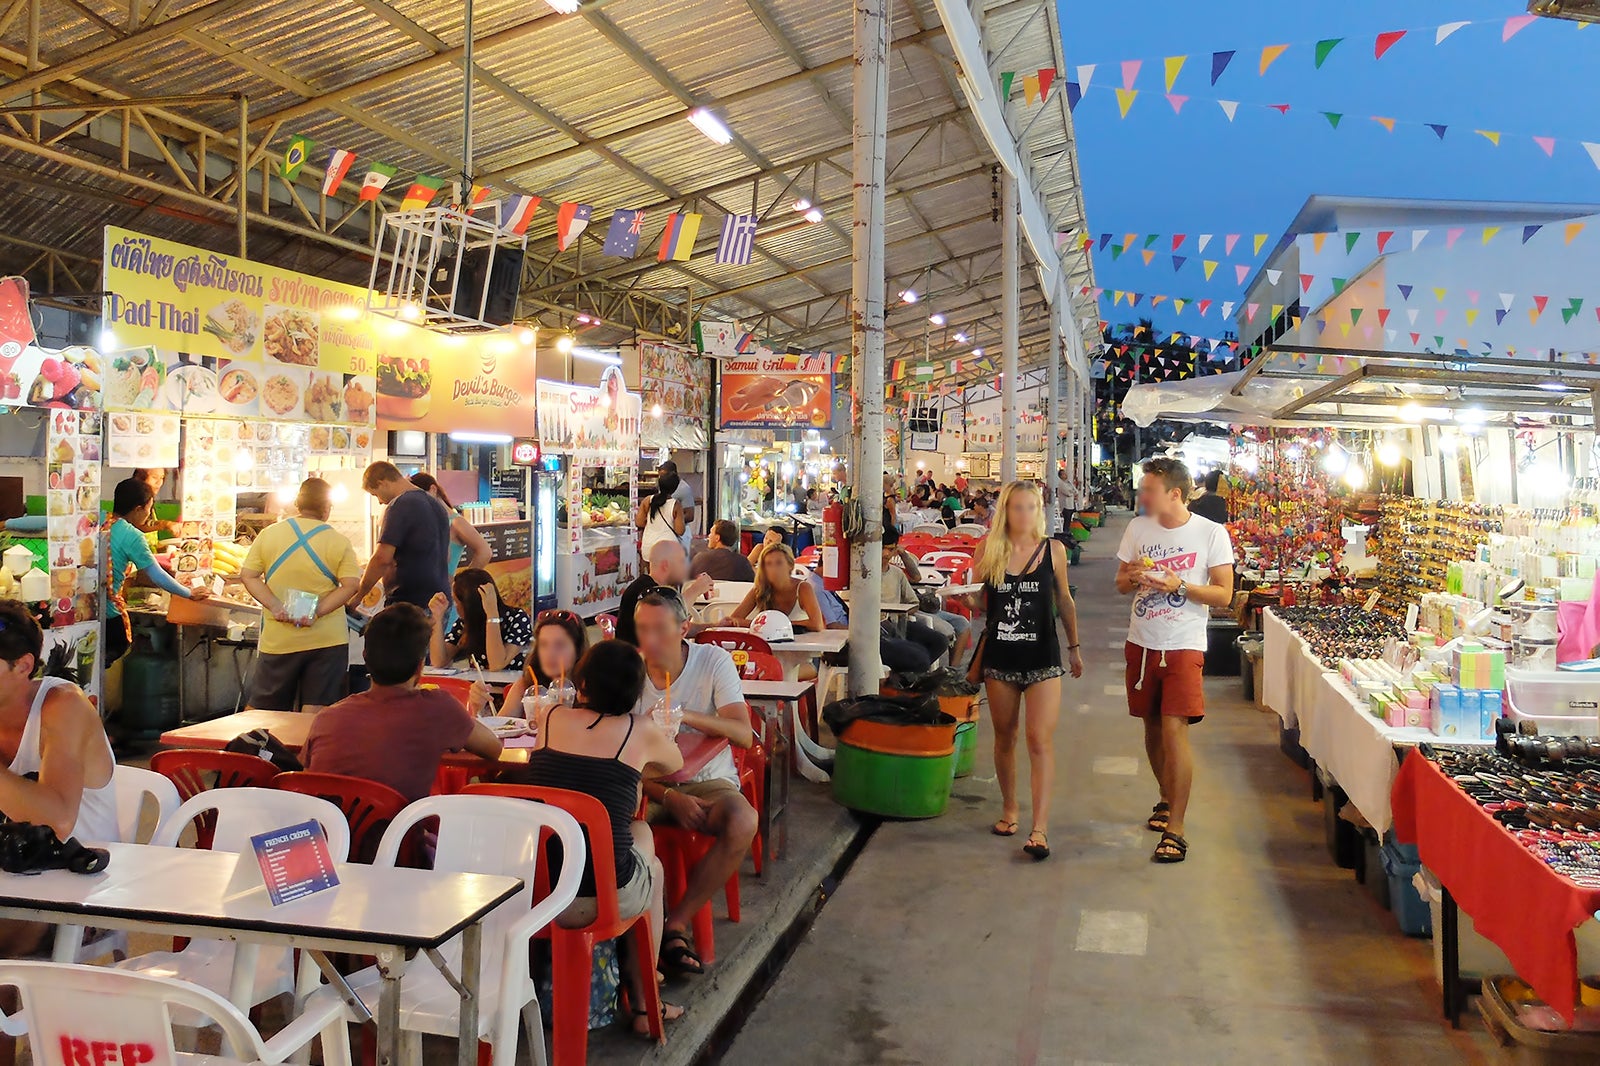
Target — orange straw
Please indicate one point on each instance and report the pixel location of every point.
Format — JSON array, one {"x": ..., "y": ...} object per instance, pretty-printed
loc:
[{"x": 669, "y": 692}]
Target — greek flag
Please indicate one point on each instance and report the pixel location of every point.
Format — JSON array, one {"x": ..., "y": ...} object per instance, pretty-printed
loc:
[{"x": 738, "y": 240}]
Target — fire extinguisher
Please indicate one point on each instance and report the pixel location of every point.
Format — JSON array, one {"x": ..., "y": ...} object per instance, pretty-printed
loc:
[{"x": 835, "y": 549}]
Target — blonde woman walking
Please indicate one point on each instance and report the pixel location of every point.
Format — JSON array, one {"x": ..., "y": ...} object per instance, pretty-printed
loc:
[{"x": 1024, "y": 574}]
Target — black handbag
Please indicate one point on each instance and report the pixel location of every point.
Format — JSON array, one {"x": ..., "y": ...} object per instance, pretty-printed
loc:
[{"x": 264, "y": 745}]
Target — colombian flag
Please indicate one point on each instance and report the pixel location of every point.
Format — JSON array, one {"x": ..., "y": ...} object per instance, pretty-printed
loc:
[{"x": 677, "y": 240}]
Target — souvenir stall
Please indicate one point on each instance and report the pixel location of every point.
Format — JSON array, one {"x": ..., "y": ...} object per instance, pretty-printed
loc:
[
  {"x": 590, "y": 440},
  {"x": 51, "y": 559}
]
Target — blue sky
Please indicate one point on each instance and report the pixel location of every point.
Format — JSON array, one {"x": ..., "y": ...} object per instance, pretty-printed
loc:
[{"x": 1195, "y": 172}]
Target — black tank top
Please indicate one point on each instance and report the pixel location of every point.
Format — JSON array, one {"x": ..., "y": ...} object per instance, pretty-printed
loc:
[
  {"x": 613, "y": 783},
  {"x": 1021, "y": 627}
]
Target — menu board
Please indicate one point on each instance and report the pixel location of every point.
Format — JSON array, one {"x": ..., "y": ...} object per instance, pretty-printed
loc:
[
  {"x": 594, "y": 422},
  {"x": 211, "y": 462},
  {"x": 679, "y": 383},
  {"x": 144, "y": 441},
  {"x": 510, "y": 540},
  {"x": 72, "y": 515},
  {"x": 37, "y": 377},
  {"x": 771, "y": 391}
]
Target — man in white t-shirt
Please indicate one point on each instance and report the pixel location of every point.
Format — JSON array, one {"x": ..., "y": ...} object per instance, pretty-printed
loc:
[
  {"x": 705, "y": 683},
  {"x": 1176, "y": 566}
]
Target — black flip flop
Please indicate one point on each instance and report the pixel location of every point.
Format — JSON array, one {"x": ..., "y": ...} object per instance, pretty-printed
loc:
[
  {"x": 1010, "y": 829},
  {"x": 1039, "y": 852},
  {"x": 1170, "y": 843},
  {"x": 677, "y": 955}
]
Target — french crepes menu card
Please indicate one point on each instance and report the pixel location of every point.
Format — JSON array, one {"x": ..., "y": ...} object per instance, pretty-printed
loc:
[{"x": 295, "y": 862}]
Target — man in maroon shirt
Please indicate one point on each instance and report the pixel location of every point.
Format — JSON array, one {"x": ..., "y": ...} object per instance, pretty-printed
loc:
[{"x": 396, "y": 731}]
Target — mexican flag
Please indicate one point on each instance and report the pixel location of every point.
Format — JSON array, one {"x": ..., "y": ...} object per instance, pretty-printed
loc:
[{"x": 378, "y": 176}]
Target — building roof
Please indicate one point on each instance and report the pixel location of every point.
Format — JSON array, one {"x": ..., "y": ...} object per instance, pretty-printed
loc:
[{"x": 588, "y": 107}]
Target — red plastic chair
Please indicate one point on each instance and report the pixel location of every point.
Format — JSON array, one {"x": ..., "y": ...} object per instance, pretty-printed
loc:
[
  {"x": 369, "y": 806},
  {"x": 187, "y": 769},
  {"x": 809, "y": 556},
  {"x": 459, "y": 687},
  {"x": 753, "y": 762},
  {"x": 572, "y": 950},
  {"x": 608, "y": 626},
  {"x": 735, "y": 640}
]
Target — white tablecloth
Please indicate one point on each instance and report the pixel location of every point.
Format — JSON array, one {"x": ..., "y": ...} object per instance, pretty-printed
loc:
[{"x": 1356, "y": 749}]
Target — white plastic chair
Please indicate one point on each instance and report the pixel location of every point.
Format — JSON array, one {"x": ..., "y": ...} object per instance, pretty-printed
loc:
[
  {"x": 714, "y": 611},
  {"x": 72, "y": 1008},
  {"x": 972, "y": 529},
  {"x": 484, "y": 835},
  {"x": 936, "y": 529},
  {"x": 241, "y": 814},
  {"x": 133, "y": 784}
]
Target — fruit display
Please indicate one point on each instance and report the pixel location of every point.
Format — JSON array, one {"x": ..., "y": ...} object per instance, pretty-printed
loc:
[
  {"x": 600, "y": 509},
  {"x": 1342, "y": 631}
]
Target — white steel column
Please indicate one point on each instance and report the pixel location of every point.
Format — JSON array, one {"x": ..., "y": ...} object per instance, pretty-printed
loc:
[
  {"x": 1052, "y": 408},
  {"x": 868, "y": 137},
  {"x": 1011, "y": 265}
]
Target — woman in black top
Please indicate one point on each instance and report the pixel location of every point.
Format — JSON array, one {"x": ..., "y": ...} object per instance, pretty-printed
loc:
[
  {"x": 601, "y": 749},
  {"x": 1024, "y": 574}
]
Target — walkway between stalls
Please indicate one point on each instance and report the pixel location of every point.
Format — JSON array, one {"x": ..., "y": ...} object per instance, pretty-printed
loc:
[{"x": 944, "y": 945}]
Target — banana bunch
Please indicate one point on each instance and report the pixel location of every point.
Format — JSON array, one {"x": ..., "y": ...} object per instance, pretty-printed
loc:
[{"x": 227, "y": 558}]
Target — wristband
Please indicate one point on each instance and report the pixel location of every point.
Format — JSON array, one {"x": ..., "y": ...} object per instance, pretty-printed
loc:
[
  {"x": 495, "y": 619},
  {"x": 1073, "y": 647}
]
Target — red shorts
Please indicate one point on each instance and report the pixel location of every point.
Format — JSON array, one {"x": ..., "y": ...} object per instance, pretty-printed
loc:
[{"x": 1176, "y": 690}]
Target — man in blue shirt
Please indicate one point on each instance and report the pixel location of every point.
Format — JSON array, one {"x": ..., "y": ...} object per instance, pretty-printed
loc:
[
  {"x": 413, "y": 554},
  {"x": 131, "y": 503}
]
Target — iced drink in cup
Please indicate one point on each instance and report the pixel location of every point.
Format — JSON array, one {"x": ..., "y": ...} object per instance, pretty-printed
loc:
[{"x": 669, "y": 718}]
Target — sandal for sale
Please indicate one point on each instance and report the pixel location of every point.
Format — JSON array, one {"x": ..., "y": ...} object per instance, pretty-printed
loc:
[{"x": 1173, "y": 848}]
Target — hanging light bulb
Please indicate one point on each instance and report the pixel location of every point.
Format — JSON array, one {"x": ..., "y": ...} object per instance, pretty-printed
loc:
[
  {"x": 1356, "y": 477},
  {"x": 1389, "y": 453}
]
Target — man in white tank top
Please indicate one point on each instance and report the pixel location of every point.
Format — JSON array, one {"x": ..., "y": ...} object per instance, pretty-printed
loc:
[{"x": 49, "y": 729}]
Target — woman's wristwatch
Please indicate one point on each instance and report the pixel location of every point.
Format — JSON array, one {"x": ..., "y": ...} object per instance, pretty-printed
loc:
[{"x": 495, "y": 619}]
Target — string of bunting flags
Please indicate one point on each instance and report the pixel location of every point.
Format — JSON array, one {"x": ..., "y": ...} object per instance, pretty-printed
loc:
[
  {"x": 624, "y": 232},
  {"x": 1336, "y": 119},
  {"x": 1222, "y": 60}
]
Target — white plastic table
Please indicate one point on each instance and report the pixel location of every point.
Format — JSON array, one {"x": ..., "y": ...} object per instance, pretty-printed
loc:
[
  {"x": 388, "y": 913},
  {"x": 490, "y": 677}
]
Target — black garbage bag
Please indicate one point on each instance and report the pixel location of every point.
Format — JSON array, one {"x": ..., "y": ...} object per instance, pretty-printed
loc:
[
  {"x": 893, "y": 710},
  {"x": 946, "y": 682}
]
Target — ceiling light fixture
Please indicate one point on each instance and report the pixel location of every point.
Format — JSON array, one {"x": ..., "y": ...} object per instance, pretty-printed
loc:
[
  {"x": 814, "y": 215},
  {"x": 708, "y": 124},
  {"x": 594, "y": 355},
  {"x": 564, "y": 344},
  {"x": 960, "y": 338},
  {"x": 936, "y": 318},
  {"x": 802, "y": 205},
  {"x": 563, "y": 7},
  {"x": 978, "y": 352},
  {"x": 909, "y": 296}
]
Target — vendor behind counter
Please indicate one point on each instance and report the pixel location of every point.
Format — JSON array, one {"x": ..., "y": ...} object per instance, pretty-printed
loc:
[{"x": 131, "y": 503}]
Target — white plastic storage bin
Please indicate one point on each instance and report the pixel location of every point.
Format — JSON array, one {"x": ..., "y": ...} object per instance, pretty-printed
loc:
[
  {"x": 1479, "y": 956},
  {"x": 1563, "y": 703}
]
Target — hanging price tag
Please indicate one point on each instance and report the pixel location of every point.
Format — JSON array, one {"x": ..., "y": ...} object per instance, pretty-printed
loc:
[{"x": 1372, "y": 600}]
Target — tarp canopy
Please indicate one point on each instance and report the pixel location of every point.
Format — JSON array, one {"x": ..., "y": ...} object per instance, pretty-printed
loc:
[{"x": 1212, "y": 397}]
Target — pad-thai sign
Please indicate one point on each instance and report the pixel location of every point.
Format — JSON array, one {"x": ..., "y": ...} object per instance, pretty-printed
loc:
[
  {"x": 209, "y": 334},
  {"x": 772, "y": 391}
]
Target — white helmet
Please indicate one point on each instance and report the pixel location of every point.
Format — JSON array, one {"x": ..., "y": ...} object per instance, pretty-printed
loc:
[{"x": 773, "y": 627}]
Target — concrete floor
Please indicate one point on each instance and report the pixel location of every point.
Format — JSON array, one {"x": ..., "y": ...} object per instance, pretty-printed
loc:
[{"x": 945, "y": 945}]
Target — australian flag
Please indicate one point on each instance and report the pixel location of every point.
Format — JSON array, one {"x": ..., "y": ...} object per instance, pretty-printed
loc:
[{"x": 622, "y": 239}]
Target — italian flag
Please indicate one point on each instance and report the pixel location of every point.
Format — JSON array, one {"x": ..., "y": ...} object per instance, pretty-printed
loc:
[
  {"x": 339, "y": 162},
  {"x": 377, "y": 177},
  {"x": 421, "y": 193}
]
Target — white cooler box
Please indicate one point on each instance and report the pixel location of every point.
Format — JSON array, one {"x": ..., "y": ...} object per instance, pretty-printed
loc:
[
  {"x": 1563, "y": 703},
  {"x": 1479, "y": 956}
]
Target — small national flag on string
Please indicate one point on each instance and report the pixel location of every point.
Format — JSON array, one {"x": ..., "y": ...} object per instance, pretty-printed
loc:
[
  {"x": 339, "y": 162},
  {"x": 378, "y": 176},
  {"x": 294, "y": 157},
  {"x": 738, "y": 240},
  {"x": 622, "y": 237},
  {"x": 677, "y": 240},
  {"x": 571, "y": 220},
  {"x": 517, "y": 212},
  {"x": 421, "y": 193}
]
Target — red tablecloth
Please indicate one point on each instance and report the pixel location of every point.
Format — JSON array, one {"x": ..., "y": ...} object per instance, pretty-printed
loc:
[{"x": 1513, "y": 898}]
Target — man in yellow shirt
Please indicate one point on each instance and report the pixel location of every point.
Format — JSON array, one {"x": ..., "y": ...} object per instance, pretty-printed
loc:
[{"x": 303, "y": 572}]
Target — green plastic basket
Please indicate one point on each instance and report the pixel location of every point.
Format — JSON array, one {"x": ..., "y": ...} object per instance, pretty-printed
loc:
[
  {"x": 892, "y": 786},
  {"x": 966, "y": 748}
]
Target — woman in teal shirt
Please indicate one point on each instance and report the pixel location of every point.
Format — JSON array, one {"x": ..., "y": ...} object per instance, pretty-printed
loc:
[{"x": 130, "y": 512}]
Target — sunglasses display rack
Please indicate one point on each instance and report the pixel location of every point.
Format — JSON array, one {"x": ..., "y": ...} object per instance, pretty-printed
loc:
[{"x": 1416, "y": 540}]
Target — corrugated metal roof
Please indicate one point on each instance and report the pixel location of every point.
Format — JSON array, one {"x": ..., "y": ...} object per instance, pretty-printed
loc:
[{"x": 587, "y": 107}]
